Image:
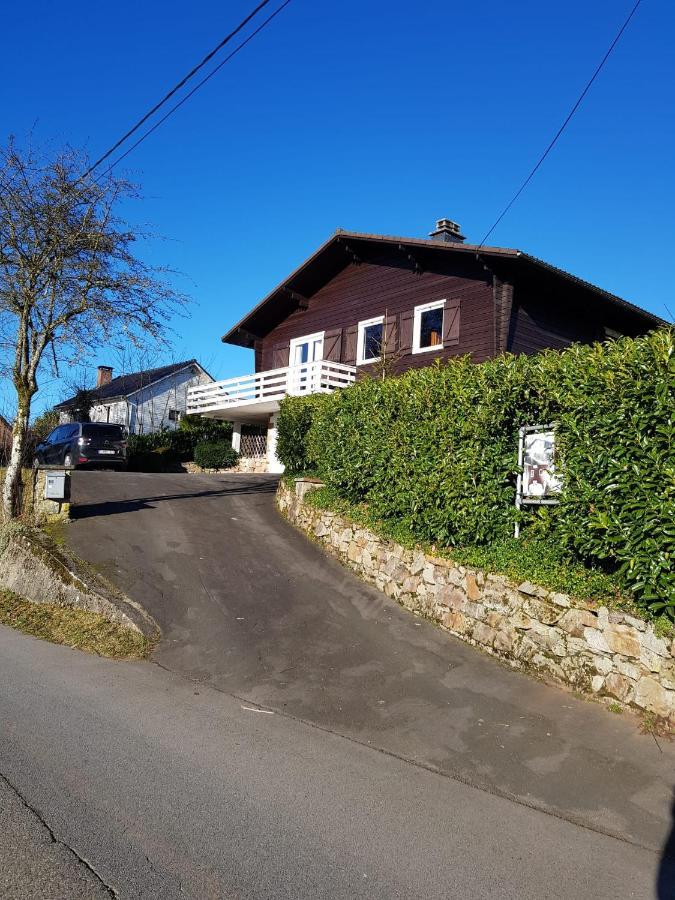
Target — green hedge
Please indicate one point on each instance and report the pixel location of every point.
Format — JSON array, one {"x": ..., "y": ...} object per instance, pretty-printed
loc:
[
  {"x": 216, "y": 455},
  {"x": 435, "y": 451},
  {"x": 152, "y": 452}
]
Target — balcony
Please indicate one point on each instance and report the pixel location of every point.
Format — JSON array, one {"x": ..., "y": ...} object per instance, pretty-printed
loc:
[{"x": 252, "y": 398}]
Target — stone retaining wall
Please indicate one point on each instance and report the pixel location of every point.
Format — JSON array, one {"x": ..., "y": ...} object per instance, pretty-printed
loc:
[
  {"x": 586, "y": 646},
  {"x": 37, "y": 570},
  {"x": 246, "y": 464}
]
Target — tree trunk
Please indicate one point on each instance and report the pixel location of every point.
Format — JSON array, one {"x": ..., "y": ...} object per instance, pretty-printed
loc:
[{"x": 13, "y": 487}]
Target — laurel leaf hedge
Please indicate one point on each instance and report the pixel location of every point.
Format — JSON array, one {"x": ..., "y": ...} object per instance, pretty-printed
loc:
[{"x": 435, "y": 451}]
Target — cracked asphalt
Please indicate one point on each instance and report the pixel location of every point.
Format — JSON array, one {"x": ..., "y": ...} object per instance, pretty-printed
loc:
[
  {"x": 35, "y": 863},
  {"x": 389, "y": 760}
]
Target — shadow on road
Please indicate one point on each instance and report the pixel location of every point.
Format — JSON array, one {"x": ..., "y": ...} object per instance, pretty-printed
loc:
[
  {"x": 114, "y": 507},
  {"x": 665, "y": 882}
]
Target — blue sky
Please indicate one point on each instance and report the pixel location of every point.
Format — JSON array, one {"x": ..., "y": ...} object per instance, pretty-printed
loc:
[{"x": 374, "y": 116}]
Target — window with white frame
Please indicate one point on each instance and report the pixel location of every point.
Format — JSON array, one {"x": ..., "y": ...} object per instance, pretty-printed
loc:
[
  {"x": 370, "y": 338},
  {"x": 428, "y": 327}
]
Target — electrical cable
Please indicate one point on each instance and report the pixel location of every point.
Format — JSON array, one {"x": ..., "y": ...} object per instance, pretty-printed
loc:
[
  {"x": 177, "y": 87},
  {"x": 562, "y": 127}
]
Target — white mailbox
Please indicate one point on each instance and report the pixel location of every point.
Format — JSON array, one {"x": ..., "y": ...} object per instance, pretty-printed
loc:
[{"x": 57, "y": 485}]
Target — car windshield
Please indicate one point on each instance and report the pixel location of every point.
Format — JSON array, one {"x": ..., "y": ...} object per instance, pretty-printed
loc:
[{"x": 103, "y": 432}]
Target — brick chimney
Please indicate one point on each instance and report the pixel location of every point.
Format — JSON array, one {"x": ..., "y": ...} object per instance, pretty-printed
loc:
[
  {"x": 104, "y": 376},
  {"x": 448, "y": 231}
]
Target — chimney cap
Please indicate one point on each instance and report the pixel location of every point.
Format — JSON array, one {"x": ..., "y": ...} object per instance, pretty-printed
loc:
[
  {"x": 104, "y": 376},
  {"x": 447, "y": 230}
]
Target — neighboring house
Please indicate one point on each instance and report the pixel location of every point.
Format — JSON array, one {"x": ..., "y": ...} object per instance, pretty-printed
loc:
[
  {"x": 5, "y": 440},
  {"x": 145, "y": 402},
  {"x": 366, "y": 302}
]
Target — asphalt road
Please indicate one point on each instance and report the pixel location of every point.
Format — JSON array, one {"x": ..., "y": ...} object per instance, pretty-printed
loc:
[
  {"x": 152, "y": 787},
  {"x": 394, "y": 749}
]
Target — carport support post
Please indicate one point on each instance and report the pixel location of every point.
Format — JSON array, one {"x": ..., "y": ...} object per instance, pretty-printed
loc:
[
  {"x": 236, "y": 436},
  {"x": 273, "y": 463}
]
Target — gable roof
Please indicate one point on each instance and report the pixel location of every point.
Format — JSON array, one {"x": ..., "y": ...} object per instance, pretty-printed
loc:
[
  {"x": 125, "y": 385},
  {"x": 325, "y": 262}
]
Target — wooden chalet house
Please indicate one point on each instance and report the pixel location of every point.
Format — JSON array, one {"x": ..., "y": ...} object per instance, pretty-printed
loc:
[{"x": 364, "y": 297}]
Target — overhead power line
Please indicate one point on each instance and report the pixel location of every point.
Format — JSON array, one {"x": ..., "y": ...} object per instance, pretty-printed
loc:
[
  {"x": 177, "y": 87},
  {"x": 198, "y": 86},
  {"x": 563, "y": 126}
]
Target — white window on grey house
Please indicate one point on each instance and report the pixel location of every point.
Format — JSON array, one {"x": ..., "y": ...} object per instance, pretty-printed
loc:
[
  {"x": 428, "y": 327},
  {"x": 370, "y": 337},
  {"x": 174, "y": 415}
]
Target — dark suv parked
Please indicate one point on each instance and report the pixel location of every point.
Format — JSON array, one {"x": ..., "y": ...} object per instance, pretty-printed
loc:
[{"x": 84, "y": 444}]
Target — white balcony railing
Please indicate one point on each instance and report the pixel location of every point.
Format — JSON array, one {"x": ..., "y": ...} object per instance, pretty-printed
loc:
[{"x": 321, "y": 377}]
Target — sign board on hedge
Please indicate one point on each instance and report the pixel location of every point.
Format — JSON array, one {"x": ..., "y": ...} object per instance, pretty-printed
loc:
[{"x": 538, "y": 481}]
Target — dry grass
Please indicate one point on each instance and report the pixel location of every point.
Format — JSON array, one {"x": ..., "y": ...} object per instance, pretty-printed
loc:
[{"x": 77, "y": 628}]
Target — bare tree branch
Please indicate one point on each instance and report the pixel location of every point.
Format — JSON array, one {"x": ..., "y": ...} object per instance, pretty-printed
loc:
[{"x": 69, "y": 279}]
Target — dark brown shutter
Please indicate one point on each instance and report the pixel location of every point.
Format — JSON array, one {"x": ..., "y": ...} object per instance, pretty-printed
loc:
[
  {"x": 390, "y": 335},
  {"x": 332, "y": 345},
  {"x": 451, "y": 322},
  {"x": 349, "y": 352},
  {"x": 280, "y": 356},
  {"x": 406, "y": 331}
]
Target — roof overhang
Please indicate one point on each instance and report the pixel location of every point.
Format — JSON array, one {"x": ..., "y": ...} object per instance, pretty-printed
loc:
[{"x": 344, "y": 247}]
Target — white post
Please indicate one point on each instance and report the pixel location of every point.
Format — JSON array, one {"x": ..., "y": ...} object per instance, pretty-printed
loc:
[
  {"x": 273, "y": 464},
  {"x": 236, "y": 436}
]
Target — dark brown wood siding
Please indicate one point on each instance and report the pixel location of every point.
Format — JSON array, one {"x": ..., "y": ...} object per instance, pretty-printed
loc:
[
  {"x": 543, "y": 313},
  {"x": 386, "y": 286}
]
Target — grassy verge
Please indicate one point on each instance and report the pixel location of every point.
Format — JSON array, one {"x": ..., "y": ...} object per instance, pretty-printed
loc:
[
  {"x": 536, "y": 559},
  {"x": 77, "y": 628}
]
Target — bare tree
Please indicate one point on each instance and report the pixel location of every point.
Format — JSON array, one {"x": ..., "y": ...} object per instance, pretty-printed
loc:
[
  {"x": 69, "y": 280},
  {"x": 389, "y": 349}
]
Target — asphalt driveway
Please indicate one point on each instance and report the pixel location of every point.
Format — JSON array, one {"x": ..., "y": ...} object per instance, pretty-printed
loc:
[{"x": 251, "y": 607}]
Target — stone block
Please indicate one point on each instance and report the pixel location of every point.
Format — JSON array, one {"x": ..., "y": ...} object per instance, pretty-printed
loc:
[
  {"x": 321, "y": 529},
  {"x": 457, "y": 622},
  {"x": 528, "y": 588},
  {"x": 602, "y": 665},
  {"x": 596, "y": 640},
  {"x": 655, "y": 644},
  {"x": 544, "y": 612},
  {"x": 544, "y": 636},
  {"x": 418, "y": 563},
  {"x": 548, "y": 666},
  {"x": 650, "y": 660},
  {"x": 597, "y": 682},
  {"x": 527, "y": 649},
  {"x": 560, "y": 600},
  {"x": 574, "y": 621},
  {"x": 475, "y": 610},
  {"x": 667, "y": 675},
  {"x": 623, "y": 639},
  {"x": 521, "y": 621},
  {"x": 483, "y": 634},
  {"x": 506, "y": 640},
  {"x": 628, "y": 670},
  {"x": 650, "y": 695},
  {"x": 454, "y": 576},
  {"x": 411, "y": 583},
  {"x": 354, "y": 552},
  {"x": 473, "y": 591},
  {"x": 618, "y": 686},
  {"x": 429, "y": 573},
  {"x": 451, "y": 597},
  {"x": 494, "y": 619}
]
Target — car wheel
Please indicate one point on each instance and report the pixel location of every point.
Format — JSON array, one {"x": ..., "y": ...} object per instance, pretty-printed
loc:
[{"x": 68, "y": 461}]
